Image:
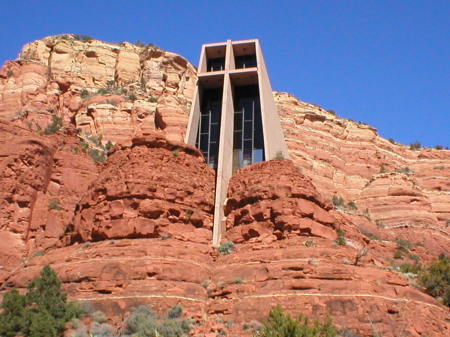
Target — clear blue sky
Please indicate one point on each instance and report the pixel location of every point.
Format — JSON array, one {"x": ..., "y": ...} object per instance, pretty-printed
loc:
[{"x": 385, "y": 63}]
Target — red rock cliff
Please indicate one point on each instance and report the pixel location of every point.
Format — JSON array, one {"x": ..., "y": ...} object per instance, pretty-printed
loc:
[{"x": 136, "y": 228}]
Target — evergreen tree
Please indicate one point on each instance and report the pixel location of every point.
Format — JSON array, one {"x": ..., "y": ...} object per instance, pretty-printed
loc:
[
  {"x": 42, "y": 324},
  {"x": 42, "y": 312},
  {"x": 13, "y": 317}
]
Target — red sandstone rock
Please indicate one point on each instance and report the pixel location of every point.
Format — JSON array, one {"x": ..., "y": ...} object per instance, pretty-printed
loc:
[
  {"x": 150, "y": 189},
  {"x": 274, "y": 198},
  {"x": 149, "y": 207}
]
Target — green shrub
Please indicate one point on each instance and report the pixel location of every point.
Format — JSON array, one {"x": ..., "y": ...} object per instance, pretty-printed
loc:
[
  {"x": 370, "y": 235},
  {"x": 310, "y": 243},
  {"x": 175, "y": 312},
  {"x": 9, "y": 73},
  {"x": 132, "y": 97},
  {"x": 238, "y": 280},
  {"x": 398, "y": 254},
  {"x": 83, "y": 37},
  {"x": 94, "y": 147},
  {"x": 97, "y": 155},
  {"x": 404, "y": 243},
  {"x": 404, "y": 170},
  {"x": 280, "y": 324},
  {"x": 54, "y": 204},
  {"x": 103, "y": 91},
  {"x": 41, "y": 312},
  {"x": 152, "y": 99},
  {"x": 101, "y": 330},
  {"x": 380, "y": 224},
  {"x": 351, "y": 205},
  {"x": 99, "y": 316},
  {"x": 415, "y": 146},
  {"x": 435, "y": 278},
  {"x": 438, "y": 147},
  {"x": 54, "y": 126},
  {"x": 84, "y": 93},
  {"x": 144, "y": 322},
  {"x": 337, "y": 201},
  {"x": 410, "y": 268},
  {"x": 139, "y": 43},
  {"x": 279, "y": 155},
  {"x": 226, "y": 248},
  {"x": 340, "y": 241}
]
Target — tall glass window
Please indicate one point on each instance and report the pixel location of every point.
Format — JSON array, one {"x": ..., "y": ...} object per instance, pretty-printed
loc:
[
  {"x": 248, "y": 142},
  {"x": 209, "y": 125}
]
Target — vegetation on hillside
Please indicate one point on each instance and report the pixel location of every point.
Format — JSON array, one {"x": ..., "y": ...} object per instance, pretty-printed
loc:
[
  {"x": 42, "y": 312},
  {"x": 281, "y": 324},
  {"x": 435, "y": 278}
]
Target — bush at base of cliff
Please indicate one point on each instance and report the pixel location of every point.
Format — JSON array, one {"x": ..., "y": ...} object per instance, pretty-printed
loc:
[
  {"x": 281, "y": 324},
  {"x": 435, "y": 278},
  {"x": 143, "y": 322},
  {"x": 41, "y": 312}
]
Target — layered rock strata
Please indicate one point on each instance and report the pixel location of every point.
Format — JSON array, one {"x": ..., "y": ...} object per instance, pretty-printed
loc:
[
  {"x": 153, "y": 188},
  {"x": 137, "y": 228},
  {"x": 117, "y": 91},
  {"x": 405, "y": 192}
]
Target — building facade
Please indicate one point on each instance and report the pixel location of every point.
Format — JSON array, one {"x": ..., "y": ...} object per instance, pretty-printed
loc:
[{"x": 233, "y": 119}]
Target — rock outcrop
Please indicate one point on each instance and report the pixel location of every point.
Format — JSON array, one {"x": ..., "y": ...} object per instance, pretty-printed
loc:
[
  {"x": 136, "y": 228},
  {"x": 117, "y": 91},
  {"x": 154, "y": 188},
  {"x": 405, "y": 192}
]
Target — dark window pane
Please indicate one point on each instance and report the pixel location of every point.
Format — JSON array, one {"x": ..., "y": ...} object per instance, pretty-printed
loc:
[
  {"x": 237, "y": 142},
  {"x": 248, "y": 132},
  {"x": 204, "y": 142},
  {"x": 214, "y": 132},
  {"x": 248, "y": 111},
  {"x": 205, "y": 124},
  {"x": 247, "y": 101},
  {"x": 237, "y": 121},
  {"x": 247, "y": 145},
  {"x": 258, "y": 141},
  {"x": 215, "y": 113}
]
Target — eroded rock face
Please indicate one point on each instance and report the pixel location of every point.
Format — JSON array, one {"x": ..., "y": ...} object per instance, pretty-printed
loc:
[
  {"x": 116, "y": 91},
  {"x": 320, "y": 279},
  {"x": 287, "y": 254},
  {"x": 403, "y": 193},
  {"x": 271, "y": 200},
  {"x": 154, "y": 188},
  {"x": 137, "y": 228},
  {"x": 41, "y": 179}
]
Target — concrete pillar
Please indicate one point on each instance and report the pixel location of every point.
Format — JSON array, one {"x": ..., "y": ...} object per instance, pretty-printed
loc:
[{"x": 225, "y": 164}]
